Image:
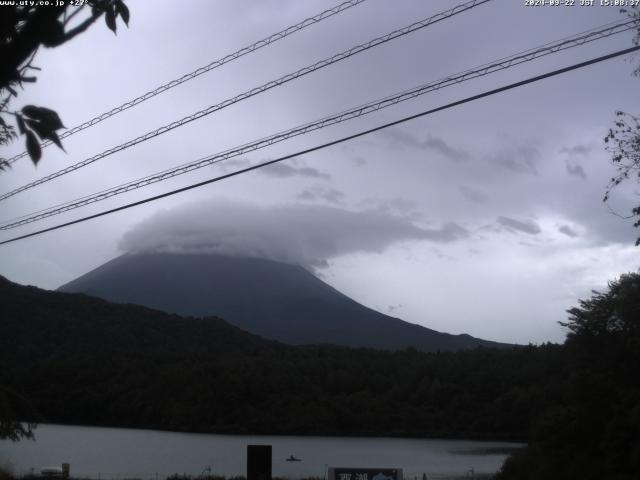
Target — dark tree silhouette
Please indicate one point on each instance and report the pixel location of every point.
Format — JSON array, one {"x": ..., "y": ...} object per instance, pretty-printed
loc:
[
  {"x": 623, "y": 140},
  {"x": 615, "y": 312},
  {"x": 14, "y": 406},
  {"x": 590, "y": 430},
  {"x": 23, "y": 30}
]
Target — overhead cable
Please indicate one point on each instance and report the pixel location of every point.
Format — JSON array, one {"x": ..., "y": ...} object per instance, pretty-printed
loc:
[
  {"x": 488, "y": 68},
  {"x": 329, "y": 144},
  {"x": 254, "y": 91},
  {"x": 199, "y": 71}
]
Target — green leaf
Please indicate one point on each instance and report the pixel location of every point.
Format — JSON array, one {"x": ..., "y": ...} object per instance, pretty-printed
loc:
[
  {"x": 45, "y": 133},
  {"x": 110, "y": 19},
  {"x": 33, "y": 147},
  {"x": 46, "y": 116},
  {"x": 123, "y": 11},
  {"x": 36, "y": 127},
  {"x": 31, "y": 111},
  {"x": 53, "y": 136}
]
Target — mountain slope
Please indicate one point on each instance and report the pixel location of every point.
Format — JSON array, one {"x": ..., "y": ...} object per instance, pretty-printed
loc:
[
  {"x": 46, "y": 322},
  {"x": 271, "y": 299},
  {"x": 70, "y": 358}
]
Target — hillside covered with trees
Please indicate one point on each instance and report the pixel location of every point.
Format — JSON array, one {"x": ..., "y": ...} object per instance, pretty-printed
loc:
[
  {"x": 82, "y": 360},
  {"x": 591, "y": 430}
]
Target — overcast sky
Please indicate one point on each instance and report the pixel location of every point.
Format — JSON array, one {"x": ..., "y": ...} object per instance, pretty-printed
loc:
[{"x": 486, "y": 218}]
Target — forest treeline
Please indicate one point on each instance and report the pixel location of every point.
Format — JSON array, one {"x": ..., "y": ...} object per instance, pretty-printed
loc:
[
  {"x": 591, "y": 428},
  {"x": 81, "y": 360}
]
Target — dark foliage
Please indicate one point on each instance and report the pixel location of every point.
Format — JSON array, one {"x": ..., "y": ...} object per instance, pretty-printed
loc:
[
  {"x": 14, "y": 406},
  {"x": 84, "y": 360},
  {"x": 623, "y": 143},
  {"x": 623, "y": 139},
  {"x": 593, "y": 430},
  {"x": 24, "y": 28}
]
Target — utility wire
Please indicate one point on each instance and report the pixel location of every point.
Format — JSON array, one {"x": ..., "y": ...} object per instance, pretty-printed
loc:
[
  {"x": 256, "y": 90},
  {"x": 207, "y": 68},
  {"x": 334, "y": 142},
  {"x": 488, "y": 68},
  {"x": 506, "y": 62}
]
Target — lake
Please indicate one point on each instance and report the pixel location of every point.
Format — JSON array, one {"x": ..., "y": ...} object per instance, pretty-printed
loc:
[{"x": 125, "y": 453}]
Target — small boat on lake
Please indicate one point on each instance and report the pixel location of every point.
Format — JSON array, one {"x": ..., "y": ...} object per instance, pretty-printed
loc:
[{"x": 292, "y": 459}]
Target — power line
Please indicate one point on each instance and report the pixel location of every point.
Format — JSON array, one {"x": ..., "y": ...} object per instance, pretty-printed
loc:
[
  {"x": 506, "y": 62},
  {"x": 329, "y": 144},
  {"x": 199, "y": 71},
  {"x": 256, "y": 90},
  {"x": 485, "y": 69}
]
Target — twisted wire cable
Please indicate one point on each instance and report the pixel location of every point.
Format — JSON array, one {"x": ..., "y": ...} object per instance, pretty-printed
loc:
[
  {"x": 199, "y": 71},
  {"x": 329, "y": 144},
  {"x": 485, "y": 69},
  {"x": 255, "y": 91}
]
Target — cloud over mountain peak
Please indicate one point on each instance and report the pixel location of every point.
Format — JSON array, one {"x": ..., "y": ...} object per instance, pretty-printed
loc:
[{"x": 308, "y": 235}]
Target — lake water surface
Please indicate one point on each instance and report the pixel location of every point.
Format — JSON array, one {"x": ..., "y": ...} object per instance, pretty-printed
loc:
[{"x": 148, "y": 454}]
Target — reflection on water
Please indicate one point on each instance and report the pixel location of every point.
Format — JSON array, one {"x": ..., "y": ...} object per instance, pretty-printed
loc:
[{"x": 148, "y": 454}]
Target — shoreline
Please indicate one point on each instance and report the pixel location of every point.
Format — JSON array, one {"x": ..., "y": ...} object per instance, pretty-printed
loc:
[{"x": 229, "y": 433}]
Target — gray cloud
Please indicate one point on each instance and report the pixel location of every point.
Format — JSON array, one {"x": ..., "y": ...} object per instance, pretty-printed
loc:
[
  {"x": 449, "y": 152},
  {"x": 393, "y": 308},
  {"x": 353, "y": 155},
  {"x": 449, "y": 232},
  {"x": 284, "y": 170},
  {"x": 442, "y": 256},
  {"x": 576, "y": 150},
  {"x": 519, "y": 159},
  {"x": 308, "y": 235},
  {"x": 278, "y": 170},
  {"x": 318, "y": 192},
  {"x": 575, "y": 170},
  {"x": 529, "y": 226},
  {"x": 233, "y": 164},
  {"x": 400, "y": 206},
  {"x": 430, "y": 143},
  {"x": 474, "y": 195},
  {"x": 568, "y": 231}
]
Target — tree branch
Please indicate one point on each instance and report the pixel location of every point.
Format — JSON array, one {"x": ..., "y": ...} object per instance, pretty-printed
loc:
[
  {"x": 613, "y": 212},
  {"x": 78, "y": 29},
  {"x": 75, "y": 12}
]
